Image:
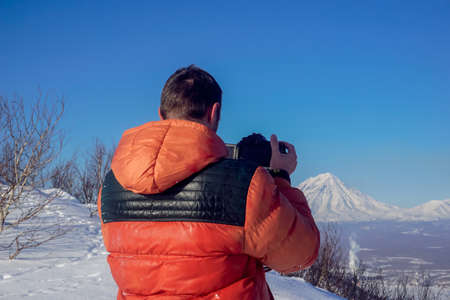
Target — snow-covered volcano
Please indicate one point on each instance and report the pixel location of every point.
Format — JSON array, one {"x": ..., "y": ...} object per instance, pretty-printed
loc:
[
  {"x": 332, "y": 201},
  {"x": 431, "y": 210}
]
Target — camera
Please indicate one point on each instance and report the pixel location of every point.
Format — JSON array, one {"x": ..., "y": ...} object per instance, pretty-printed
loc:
[{"x": 254, "y": 147}]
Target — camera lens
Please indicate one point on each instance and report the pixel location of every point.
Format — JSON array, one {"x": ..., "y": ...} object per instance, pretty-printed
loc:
[{"x": 283, "y": 148}]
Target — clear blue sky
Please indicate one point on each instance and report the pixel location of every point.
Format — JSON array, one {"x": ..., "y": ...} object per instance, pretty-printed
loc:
[{"x": 362, "y": 89}]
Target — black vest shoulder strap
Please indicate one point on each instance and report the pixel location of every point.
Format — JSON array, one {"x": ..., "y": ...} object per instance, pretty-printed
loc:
[{"x": 216, "y": 194}]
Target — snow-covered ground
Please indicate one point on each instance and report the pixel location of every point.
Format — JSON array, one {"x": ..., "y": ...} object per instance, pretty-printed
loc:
[{"x": 74, "y": 266}]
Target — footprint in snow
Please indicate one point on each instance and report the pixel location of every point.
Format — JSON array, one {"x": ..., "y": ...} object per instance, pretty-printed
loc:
[{"x": 5, "y": 276}]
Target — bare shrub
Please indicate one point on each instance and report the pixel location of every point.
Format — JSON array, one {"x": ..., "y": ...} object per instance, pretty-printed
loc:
[
  {"x": 329, "y": 267},
  {"x": 331, "y": 272},
  {"x": 92, "y": 173},
  {"x": 64, "y": 176},
  {"x": 29, "y": 142},
  {"x": 418, "y": 288}
]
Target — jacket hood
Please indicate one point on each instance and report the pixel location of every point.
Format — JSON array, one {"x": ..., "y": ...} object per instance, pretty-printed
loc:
[{"x": 155, "y": 156}]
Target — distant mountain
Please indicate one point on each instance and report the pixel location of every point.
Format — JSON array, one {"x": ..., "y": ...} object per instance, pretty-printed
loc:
[
  {"x": 429, "y": 211},
  {"x": 331, "y": 200}
]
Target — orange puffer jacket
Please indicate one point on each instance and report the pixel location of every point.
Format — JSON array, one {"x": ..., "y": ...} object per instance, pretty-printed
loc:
[{"x": 201, "y": 260}]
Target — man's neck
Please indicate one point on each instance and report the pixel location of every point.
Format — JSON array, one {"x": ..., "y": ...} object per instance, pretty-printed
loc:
[{"x": 204, "y": 122}]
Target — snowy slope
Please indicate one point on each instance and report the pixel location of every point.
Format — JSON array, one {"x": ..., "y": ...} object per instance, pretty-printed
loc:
[
  {"x": 331, "y": 200},
  {"x": 74, "y": 266},
  {"x": 429, "y": 211}
]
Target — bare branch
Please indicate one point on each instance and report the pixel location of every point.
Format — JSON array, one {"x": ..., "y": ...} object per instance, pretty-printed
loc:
[
  {"x": 92, "y": 174},
  {"x": 30, "y": 141}
]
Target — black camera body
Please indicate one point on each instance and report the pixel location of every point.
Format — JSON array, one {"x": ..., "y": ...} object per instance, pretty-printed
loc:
[{"x": 254, "y": 147}]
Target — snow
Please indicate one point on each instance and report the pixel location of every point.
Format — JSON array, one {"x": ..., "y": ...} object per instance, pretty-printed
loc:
[
  {"x": 332, "y": 201},
  {"x": 74, "y": 266},
  {"x": 71, "y": 267},
  {"x": 296, "y": 289},
  {"x": 429, "y": 211}
]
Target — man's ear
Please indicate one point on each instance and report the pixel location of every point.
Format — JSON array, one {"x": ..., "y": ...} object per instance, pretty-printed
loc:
[
  {"x": 214, "y": 115},
  {"x": 159, "y": 114}
]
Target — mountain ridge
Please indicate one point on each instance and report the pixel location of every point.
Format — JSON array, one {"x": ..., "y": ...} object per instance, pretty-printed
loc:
[{"x": 331, "y": 200}]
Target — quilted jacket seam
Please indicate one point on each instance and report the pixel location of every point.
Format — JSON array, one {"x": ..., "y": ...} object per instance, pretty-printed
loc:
[{"x": 157, "y": 155}]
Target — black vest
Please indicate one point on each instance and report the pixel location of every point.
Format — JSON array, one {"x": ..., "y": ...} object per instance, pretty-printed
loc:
[{"x": 216, "y": 194}]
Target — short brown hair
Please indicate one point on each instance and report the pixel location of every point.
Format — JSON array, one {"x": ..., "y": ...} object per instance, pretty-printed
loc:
[{"x": 189, "y": 93}]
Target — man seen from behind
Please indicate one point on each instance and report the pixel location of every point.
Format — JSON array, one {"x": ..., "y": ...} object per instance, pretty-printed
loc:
[{"x": 182, "y": 222}]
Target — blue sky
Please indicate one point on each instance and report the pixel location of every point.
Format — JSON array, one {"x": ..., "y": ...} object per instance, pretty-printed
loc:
[{"x": 361, "y": 89}]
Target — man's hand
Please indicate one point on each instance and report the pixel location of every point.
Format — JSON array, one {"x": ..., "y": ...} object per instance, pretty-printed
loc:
[{"x": 279, "y": 160}]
